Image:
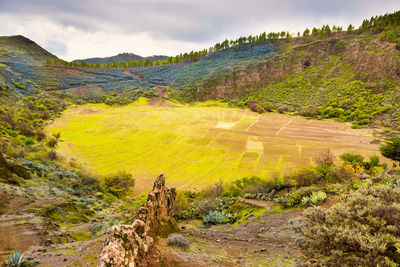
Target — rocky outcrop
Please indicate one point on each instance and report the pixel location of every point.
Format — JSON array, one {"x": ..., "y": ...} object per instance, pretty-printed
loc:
[
  {"x": 12, "y": 170},
  {"x": 133, "y": 245}
]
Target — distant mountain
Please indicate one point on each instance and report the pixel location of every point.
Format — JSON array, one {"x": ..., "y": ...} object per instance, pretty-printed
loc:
[
  {"x": 118, "y": 58},
  {"x": 19, "y": 49}
]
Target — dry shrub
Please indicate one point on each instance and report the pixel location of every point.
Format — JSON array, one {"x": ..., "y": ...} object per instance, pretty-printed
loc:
[
  {"x": 181, "y": 202},
  {"x": 307, "y": 177},
  {"x": 339, "y": 174},
  {"x": 214, "y": 191},
  {"x": 361, "y": 230},
  {"x": 255, "y": 106},
  {"x": 52, "y": 142},
  {"x": 309, "y": 112},
  {"x": 178, "y": 240},
  {"x": 25, "y": 128},
  {"x": 283, "y": 109},
  {"x": 40, "y": 135},
  {"x": 51, "y": 155},
  {"x": 324, "y": 158}
]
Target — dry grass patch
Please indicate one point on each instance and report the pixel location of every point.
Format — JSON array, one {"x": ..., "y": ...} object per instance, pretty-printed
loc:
[{"x": 197, "y": 145}]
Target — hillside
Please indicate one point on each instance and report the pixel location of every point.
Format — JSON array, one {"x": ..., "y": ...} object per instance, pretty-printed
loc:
[
  {"x": 349, "y": 76},
  {"x": 255, "y": 143},
  {"x": 118, "y": 58}
]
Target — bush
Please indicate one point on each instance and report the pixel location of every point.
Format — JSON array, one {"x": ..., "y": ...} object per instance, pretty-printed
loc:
[
  {"x": 51, "y": 155},
  {"x": 52, "y": 142},
  {"x": 214, "y": 191},
  {"x": 268, "y": 108},
  {"x": 100, "y": 227},
  {"x": 255, "y": 106},
  {"x": 317, "y": 197},
  {"x": 293, "y": 198},
  {"x": 178, "y": 240},
  {"x": 309, "y": 112},
  {"x": 354, "y": 160},
  {"x": 339, "y": 174},
  {"x": 247, "y": 185},
  {"x": 181, "y": 202},
  {"x": 307, "y": 177},
  {"x": 119, "y": 184},
  {"x": 361, "y": 230},
  {"x": 391, "y": 148},
  {"x": 325, "y": 158},
  {"x": 283, "y": 109}
]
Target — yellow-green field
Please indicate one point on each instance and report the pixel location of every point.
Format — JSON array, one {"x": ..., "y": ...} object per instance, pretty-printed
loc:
[{"x": 197, "y": 145}]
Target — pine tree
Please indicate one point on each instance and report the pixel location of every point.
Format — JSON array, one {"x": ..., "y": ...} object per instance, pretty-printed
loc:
[{"x": 350, "y": 28}]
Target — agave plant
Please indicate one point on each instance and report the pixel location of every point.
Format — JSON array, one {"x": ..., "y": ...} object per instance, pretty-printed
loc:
[
  {"x": 16, "y": 259},
  {"x": 216, "y": 217}
]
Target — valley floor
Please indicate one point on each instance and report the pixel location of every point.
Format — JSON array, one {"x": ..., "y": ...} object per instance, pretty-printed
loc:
[{"x": 198, "y": 145}]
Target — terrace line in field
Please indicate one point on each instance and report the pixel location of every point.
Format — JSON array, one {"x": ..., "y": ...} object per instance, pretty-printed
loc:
[{"x": 196, "y": 146}]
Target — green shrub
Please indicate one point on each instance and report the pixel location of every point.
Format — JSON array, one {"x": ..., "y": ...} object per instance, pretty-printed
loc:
[
  {"x": 317, "y": 197},
  {"x": 354, "y": 160},
  {"x": 214, "y": 191},
  {"x": 100, "y": 227},
  {"x": 293, "y": 198},
  {"x": 181, "y": 202},
  {"x": 109, "y": 198},
  {"x": 246, "y": 185},
  {"x": 119, "y": 184},
  {"x": 391, "y": 148},
  {"x": 52, "y": 142},
  {"x": 283, "y": 109},
  {"x": 361, "y": 230},
  {"x": 307, "y": 177},
  {"x": 255, "y": 106},
  {"x": 340, "y": 174}
]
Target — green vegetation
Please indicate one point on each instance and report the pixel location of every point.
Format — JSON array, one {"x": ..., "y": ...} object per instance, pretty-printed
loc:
[
  {"x": 22, "y": 124},
  {"x": 257, "y": 157},
  {"x": 17, "y": 259},
  {"x": 194, "y": 145},
  {"x": 377, "y": 23},
  {"x": 391, "y": 149},
  {"x": 360, "y": 230},
  {"x": 119, "y": 184},
  {"x": 216, "y": 217}
]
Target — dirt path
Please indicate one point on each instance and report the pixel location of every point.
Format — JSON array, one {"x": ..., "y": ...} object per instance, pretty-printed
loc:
[
  {"x": 265, "y": 204},
  {"x": 267, "y": 240}
]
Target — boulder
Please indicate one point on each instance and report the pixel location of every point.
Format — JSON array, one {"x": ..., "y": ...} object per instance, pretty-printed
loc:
[
  {"x": 11, "y": 169},
  {"x": 133, "y": 245}
]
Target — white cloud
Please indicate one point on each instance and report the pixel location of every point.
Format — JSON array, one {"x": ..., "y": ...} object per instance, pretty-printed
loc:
[
  {"x": 93, "y": 28},
  {"x": 82, "y": 44}
]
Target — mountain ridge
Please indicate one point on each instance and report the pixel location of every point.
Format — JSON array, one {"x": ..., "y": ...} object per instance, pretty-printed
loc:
[{"x": 119, "y": 57}]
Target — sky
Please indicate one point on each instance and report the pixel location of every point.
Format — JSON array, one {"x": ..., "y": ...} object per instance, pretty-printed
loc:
[{"x": 76, "y": 29}]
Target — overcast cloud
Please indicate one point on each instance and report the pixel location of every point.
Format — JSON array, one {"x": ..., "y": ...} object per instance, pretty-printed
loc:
[{"x": 87, "y": 28}]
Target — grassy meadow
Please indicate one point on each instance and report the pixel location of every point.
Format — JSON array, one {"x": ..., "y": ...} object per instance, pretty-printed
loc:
[{"x": 197, "y": 145}]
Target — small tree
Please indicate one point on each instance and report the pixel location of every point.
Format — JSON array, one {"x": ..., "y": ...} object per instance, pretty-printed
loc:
[
  {"x": 352, "y": 159},
  {"x": 350, "y": 28},
  {"x": 325, "y": 158},
  {"x": 119, "y": 184},
  {"x": 391, "y": 148}
]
